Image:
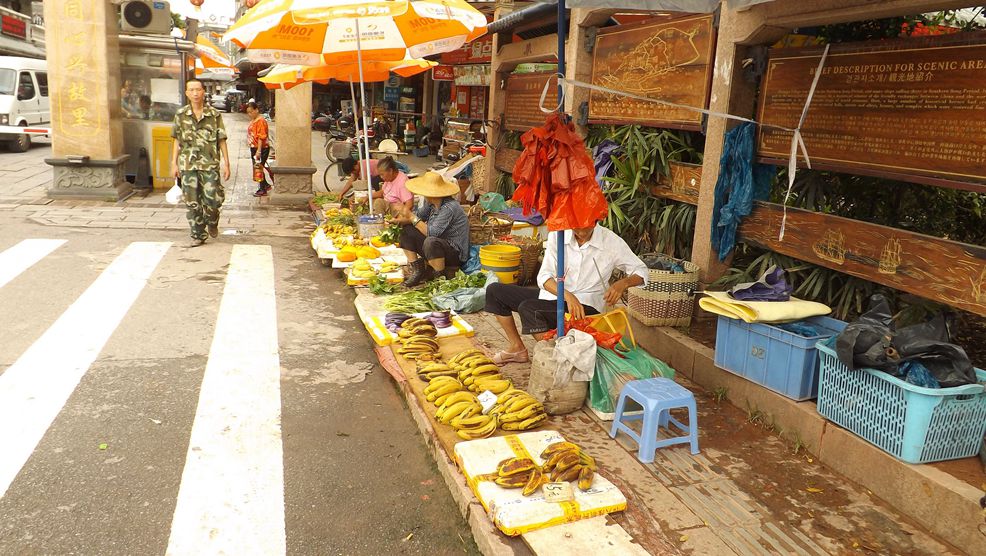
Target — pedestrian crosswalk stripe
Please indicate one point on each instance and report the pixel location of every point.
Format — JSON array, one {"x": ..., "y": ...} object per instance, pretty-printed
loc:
[
  {"x": 35, "y": 388},
  {"x": 24, "y": 255},
  {"x": 231, "y": 498}
]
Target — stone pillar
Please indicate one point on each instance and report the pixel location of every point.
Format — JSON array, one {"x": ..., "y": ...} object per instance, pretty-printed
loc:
[
  {"x": 293, "y": 135},
  {"x": 84, "y": 80},
  {"x": 731, "y": 94}
]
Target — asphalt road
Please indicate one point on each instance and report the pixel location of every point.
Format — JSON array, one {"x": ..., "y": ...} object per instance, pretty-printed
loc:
[{"x": 156, "y": 398}]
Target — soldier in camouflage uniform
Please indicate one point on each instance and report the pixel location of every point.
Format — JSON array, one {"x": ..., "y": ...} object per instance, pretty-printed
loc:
[{"x": 200, "y": 136}]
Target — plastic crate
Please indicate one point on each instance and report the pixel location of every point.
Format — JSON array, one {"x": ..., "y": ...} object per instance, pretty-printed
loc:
[
  {"x": 780, "y": 360},
  {"x": 911, "y": 423}
]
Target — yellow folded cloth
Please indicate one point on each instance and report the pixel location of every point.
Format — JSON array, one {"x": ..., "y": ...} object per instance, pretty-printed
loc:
[{"x": 721, "y": 303}]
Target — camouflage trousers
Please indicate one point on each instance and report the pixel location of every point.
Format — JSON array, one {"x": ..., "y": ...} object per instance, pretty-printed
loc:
[{"x": 204, "y": 196}]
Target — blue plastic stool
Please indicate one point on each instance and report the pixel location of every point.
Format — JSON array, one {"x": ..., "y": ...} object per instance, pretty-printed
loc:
[{"x": 657, "y": 396}]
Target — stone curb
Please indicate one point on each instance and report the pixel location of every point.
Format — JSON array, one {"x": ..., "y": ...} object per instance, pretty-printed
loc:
[{"x": 944, "y": 505}]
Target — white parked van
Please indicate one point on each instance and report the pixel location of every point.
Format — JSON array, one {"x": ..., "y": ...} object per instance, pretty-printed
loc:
[{"x": 23, "y": 98}]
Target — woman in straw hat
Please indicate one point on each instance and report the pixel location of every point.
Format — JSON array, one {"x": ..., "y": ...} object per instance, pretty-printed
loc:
[{"x": 436, "y": 238}]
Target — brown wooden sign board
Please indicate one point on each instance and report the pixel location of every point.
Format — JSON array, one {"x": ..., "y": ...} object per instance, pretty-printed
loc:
[
  {"x": 505, "y": 159},
  {"x": 945, "y": 271},
  {"x": 522, "y": 100},
  {"x": 667, "y": 60},
  {"x": 913, "y": 110},
  {"x": 682, "y": 185}
]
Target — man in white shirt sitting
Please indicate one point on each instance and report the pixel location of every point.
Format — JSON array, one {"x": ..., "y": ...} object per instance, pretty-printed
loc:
[{"x": 591, "y": 256}]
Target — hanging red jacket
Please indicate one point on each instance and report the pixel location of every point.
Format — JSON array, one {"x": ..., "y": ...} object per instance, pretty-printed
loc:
[{"x": 555, "y": 175}]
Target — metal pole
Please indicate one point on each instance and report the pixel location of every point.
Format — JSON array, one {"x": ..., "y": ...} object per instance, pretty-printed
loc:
[
  {"x": 560, "y": 274},
  {"x": 366, "y": 124}
]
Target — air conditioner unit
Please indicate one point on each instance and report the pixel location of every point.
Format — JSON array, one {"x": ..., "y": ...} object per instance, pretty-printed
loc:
[{"x": 145, "y": 17}]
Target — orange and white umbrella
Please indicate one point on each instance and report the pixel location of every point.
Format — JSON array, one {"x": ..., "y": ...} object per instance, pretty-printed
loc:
[
  {"x": 210, "y": 54},
  {"x": 287, "y": 76},
  {"x": 314, "y": 32}
]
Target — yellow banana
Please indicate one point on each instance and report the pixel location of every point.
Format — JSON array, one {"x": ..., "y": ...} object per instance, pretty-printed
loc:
[
  {"x": 443, "y": 390},
  {"x": 569, "y": 474},
  {"x": 449, "y": 411},
  {"x": 558, "y": 447},
  {"x": 585, "y": 478},
  {"x": 482, "y": 432},
  {"x": 461, "y": 396},
  {"x": 514, "y": 481},
  {"x": 569, "y": 460},
  {"x": 513, "y": 466},
  {"x": 520, "y": 403},
  {"x": 526, "y": 424},
  {"x": 522, "y": 415},
  {"x": 473, "y": 422},
  {"x": 534, "y": 483}
]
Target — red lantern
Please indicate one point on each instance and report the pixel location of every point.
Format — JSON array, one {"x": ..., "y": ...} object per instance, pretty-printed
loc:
[
  {"x": 197, "y": 3},
  {"x": 251, "y": 3}
]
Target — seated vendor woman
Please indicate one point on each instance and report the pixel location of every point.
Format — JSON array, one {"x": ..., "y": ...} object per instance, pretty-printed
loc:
[
  {"x": 393, "y": 196},
  {"x": 591, "y": 256},
  {"x": 436, "y": 238}
]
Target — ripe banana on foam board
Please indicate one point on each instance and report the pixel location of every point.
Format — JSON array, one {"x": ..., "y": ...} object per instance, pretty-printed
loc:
[
  {"x": 565, "y": 461},
  {"x": 477, "y": 426}
]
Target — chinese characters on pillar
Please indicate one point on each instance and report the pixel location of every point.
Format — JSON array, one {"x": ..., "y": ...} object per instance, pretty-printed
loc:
[{"x": 76, "y": 115}]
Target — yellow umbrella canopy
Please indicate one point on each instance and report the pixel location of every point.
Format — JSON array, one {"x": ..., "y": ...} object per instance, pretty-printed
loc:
[
  {"x": 210, "y": 54},
  {"x": 314, "y": 32},
  {"x": 287, "y": 76}
]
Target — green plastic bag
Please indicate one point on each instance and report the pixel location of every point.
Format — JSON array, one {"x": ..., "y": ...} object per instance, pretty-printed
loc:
[{"x": 613, "y": 372}]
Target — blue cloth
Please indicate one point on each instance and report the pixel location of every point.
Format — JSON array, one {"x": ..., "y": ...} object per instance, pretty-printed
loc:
[
  {"x": 517, "y": 213},
  {"x": 472, "y": 265},
  {"x": 602, "y": 155},
  {"x": 741, "y": 181},
  {"x": 465, "y": 173},
  {"x": 772, "y": 286},
  {"x": 917, "y": 374},
  {"x": 450, "y": 222},
  {"x": 801, "y": 329}
]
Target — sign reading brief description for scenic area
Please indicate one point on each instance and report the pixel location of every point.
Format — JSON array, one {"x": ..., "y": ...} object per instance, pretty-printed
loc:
[{"x": 913, "y": 110}]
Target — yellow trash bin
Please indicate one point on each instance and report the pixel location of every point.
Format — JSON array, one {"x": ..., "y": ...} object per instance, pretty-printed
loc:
[{"x": 161, "y": 145}]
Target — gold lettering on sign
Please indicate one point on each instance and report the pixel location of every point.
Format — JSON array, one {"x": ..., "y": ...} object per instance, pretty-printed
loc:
[
  {"x": 73, "y": 9},
  {"x": 81, "y": 115},
  {"x": 913, "y": 110},
  {"x": 74, "y": 115},
  {"x": 77, "y": 91}
]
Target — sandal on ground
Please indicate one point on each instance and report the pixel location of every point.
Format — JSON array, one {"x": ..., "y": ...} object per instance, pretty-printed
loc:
[
  {"x": 260, "y": 193},
  {"x": 504, "y": 357}
]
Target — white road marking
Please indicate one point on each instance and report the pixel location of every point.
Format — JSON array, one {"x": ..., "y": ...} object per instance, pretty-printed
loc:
[
  {"x": 25, "y": 254},
  {"x": 231, "y": 498},
  {"x": 35, "y": 388}
]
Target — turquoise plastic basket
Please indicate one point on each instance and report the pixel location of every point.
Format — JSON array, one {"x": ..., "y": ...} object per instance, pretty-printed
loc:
[{"x": 911, "y": 423}]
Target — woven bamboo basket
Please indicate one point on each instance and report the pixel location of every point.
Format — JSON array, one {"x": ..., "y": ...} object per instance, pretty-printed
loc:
[
  {"x": 531, "y": 250},
  {"x": 668, "y": 297},
  {"x": 484, "y": 226}
]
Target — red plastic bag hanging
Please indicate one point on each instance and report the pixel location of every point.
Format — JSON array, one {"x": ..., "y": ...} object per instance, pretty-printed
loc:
[{"x": 556, "y": 176}]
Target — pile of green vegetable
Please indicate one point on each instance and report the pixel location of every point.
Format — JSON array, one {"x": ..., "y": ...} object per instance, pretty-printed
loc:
[
  {"x": 325, "y": 198},
  {"x": 380, "y": 286},
  {"x": 343, "y": 218},
  {"x": 419, "y": 299},
  {"x": 391, "y": 234}
]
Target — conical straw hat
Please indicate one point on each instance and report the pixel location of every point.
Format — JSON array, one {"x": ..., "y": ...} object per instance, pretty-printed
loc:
[{"x": 432, "y": 184}]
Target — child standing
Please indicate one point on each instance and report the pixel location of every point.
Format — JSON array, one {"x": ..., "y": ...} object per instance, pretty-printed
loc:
[{"x": 257, "y": 136}]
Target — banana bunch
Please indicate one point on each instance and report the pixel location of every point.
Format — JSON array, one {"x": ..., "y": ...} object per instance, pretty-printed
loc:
[
  {"x": 362, "y": 268},
  {"x": 430, "y": 368},
  {"x": 440, "y": 388},
  {"x": 414, "y": 326},
  {"x": 520, "y": 473},
  {"x": 518, "y": 411},
  {"x": 478, "y": 372},
  {"x": 461, "y": 404},
  {"x": 567, "y": 462},
  {"x": 470, "y": 426},
  {"x": 418, "y": 347},
  {"x": 389, "y": 266}
]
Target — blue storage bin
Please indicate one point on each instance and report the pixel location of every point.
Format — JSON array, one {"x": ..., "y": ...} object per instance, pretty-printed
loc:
[
  {"x": 780, "y": 360},
  {"x": 911, "y": 423}
]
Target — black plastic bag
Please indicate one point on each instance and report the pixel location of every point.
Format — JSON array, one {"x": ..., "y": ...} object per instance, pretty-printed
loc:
[{"x": 872, "y": 342}]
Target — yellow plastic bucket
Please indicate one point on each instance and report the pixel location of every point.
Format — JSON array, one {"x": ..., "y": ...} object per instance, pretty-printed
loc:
[{"x": 504, "y": 260}]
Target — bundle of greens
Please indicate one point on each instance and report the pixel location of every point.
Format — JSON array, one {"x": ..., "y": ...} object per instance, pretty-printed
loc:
[
  {"x": 419, "y": 299},
  {"x": 380, "y": 286},
  {"x": 325, "y": 198},
  {"x": 392, "y": 234}
]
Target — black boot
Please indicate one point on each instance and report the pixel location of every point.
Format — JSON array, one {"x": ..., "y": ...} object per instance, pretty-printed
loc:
[
  {"x": 450, "y": 271},
  {"x": 421, "y": 272}
]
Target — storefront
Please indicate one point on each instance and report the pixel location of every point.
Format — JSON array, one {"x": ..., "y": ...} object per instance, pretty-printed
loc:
[{"x": 463, "y": 80}]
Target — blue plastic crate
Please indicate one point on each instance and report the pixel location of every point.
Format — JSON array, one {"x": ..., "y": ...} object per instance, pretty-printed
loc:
[
  {"x": 911, "y": 423},
  {"x": 780, "y": 360}
]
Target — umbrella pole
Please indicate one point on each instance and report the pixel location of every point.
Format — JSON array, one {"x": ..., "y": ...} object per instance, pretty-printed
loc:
[
  {"x": 366, "y": 123},
  {"x": 560, "y": 274},
  {"x": 359, "y": 147}
]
